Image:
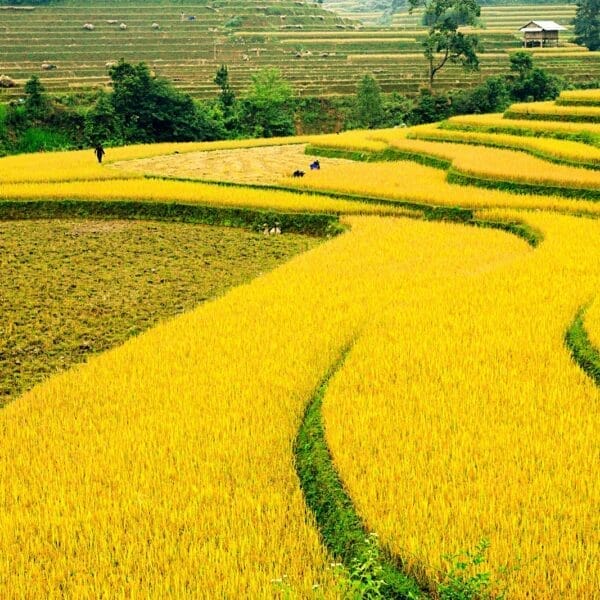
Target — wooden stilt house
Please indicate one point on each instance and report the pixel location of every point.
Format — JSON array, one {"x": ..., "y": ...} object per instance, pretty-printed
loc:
[{"x": 541, "y": 34}]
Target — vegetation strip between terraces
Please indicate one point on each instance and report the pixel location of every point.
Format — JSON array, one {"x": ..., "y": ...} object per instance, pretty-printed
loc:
[
  {"x": 340, "y": 526},
  {"x": 582, "y": 350},
  {"x": 389, "y": 154},
  {"x": 307, "y": 223},
  {"x": 429, "y": 212}
]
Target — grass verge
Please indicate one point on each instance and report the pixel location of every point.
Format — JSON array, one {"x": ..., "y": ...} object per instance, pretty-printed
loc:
[
  {"x": 532, "y": 236},
  {"x": 582, "y": 350},
  {"x": 341, "y": 528},
  {"x": 432, "y": 212},
  {"x": 548, "y": 116},
  {"x": 585, "y": 137}
]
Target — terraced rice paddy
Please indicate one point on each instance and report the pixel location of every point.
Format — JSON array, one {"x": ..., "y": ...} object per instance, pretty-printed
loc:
[
  {"x": 320, "y": 52},
  {"x": 166, "y": 466},
  {"x": 76, "y": 288}
]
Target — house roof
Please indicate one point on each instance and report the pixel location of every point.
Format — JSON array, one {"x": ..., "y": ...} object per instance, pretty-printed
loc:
[{"x": 542, "y": 26}]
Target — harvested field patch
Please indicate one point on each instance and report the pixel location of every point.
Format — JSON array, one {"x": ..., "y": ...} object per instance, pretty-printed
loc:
[
  {"x": 75, "y": 288},
  {"x": 265, "y": 165}
]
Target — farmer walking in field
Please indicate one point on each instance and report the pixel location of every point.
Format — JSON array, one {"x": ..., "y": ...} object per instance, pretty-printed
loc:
[{"x": 99, "y": 150}]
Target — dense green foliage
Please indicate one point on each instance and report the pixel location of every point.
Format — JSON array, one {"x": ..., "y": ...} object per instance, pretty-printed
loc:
[
  {"x": 369, "y": 105},
  {"x": 145, "y": 108},
  {"x": 583, "y": 351},
  {"x": 587, "y": 23},
  {"x": 39, "y": 123},
  {"x": 226, "y": 98},
  {"x": 268, "y": 110},
  {"x": 524, "y": 82},
  {"x": 529, "y": 83}
]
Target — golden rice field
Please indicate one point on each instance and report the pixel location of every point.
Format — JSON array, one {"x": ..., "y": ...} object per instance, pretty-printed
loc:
[
  {"x": 165, "y": 467},
  {"x": 586, "y": 97},
  {"x": 496, "y": 122},
  {"x": 444, "y": 407},
  {"x": 551, "y": 109},
  {"x": 552, "y": 149},
  {"x": 422, "y": 184}
]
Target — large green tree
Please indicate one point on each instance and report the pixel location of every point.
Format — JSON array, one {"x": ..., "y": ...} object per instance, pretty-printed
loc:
[
  {"x": 529, "y": 83},
  {"x": 145, "y": 108},
  {"x": 369, "y": 105},
  {"x": 227, "y": 102},
  {"x": 268, "y": 109},
  {"x": 149, "y": 108},
  {"x": 444, "y": 42},
  {"x": 37, "y": 104},
  {"x": 227, "y": 95},
  {"x": 587, "y": 23}
]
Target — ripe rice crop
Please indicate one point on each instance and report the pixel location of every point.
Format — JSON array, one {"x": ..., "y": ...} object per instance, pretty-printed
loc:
[
  {"x": 510, "y": 165},
  {"x": 445, "y": 151},
  {"x": 408, "y": 181},
  {"x": 544, "y": 147},
  {"x": 497, "y": 123},
  {"x": 551, "y": 111},
  {"x": 54, "y": 167},
  {"x": 497, "y": 163},
  {"x": 352, "y": 140},
  {"x": 190, "y": 193},
  {"x": 82, "y": 164},
  {"x": 579, "y": 97},
  {"x": 469, "y": 420},
  {"x": 157, "y": 469}
]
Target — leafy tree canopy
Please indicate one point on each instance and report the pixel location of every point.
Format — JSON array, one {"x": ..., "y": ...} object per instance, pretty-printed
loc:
[
  {"x": 587, "y": 23},
  {"x": 444, "y": 42},
  {"x": 369, "y": 107},
  {"x": 529, "y": 83},
  {"x": 37, "y": 104},
  {"x": 268, "y": 110},
  {"x": 145, "y": 108}
]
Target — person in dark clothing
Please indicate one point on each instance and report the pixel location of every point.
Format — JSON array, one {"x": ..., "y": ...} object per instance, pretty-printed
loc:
[{"x": 99, "y": 150}]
